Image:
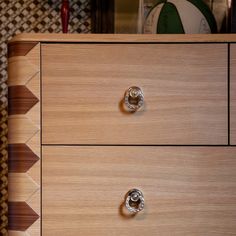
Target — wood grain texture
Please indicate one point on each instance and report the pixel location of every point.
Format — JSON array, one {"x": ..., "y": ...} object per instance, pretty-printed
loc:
[
  {"x": 21, "y": 187},
  {"x": 20, "y": 158},
  {"x": 17, "y": 233},
  {"x": 124, "y": 38},
  {"x": 20, "y": 48},
  {"x": 24, "y": 139},
  {"x": 34, "y": 85},
  {"x": 34, "y": 143},
  {"x": 33, "y": 57},
  {"x": 34, "y": 230},
  {"x": 21, "y": 69},
  {"x": 185, "y": 94},
  {"x": 22, "y": 72},
  {"x": 34, "y": 201},
  {"x": 21, "y": 216},
  {"x": 20, "y": 100},
  {"x": 34, "y": 172},
  {"x": 33, "y": 114},
  {"x": 21, "y": 129},
  {"x": 233, "y": 95},
  {"x": 187, "y": 191}
]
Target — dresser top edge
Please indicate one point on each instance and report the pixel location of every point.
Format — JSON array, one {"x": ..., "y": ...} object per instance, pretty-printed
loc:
[{"x": 122, "y": 38}]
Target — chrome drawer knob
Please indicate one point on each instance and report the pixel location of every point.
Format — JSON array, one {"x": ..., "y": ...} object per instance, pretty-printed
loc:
[
  {"x": 134, "y": 201},
  {"x": 134, "y": 98}
]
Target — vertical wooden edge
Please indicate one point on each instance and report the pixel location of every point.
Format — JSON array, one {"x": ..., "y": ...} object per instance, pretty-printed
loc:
[
  {"x": 103, "y": 16},
  {"x": 20, "y": 48},
  {"x": 232, "y": 93},
  {"x": 22, "y": 156}
]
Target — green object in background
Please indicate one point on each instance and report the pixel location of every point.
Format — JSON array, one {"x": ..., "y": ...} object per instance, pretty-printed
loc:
[
  {"x": 179, "y": 17},
  {"x": 169, "y": 20}
]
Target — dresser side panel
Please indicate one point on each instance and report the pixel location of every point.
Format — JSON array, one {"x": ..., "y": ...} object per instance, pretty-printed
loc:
[{"x": 24, "y": 138}]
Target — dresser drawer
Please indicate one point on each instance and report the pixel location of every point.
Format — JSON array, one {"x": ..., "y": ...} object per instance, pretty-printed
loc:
[
  {"x": 187, "y": 191},
  {"x": 184, "y": 87}
]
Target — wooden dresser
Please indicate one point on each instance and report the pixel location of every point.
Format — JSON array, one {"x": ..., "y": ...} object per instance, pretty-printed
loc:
[{"x": 118, "y": 135}]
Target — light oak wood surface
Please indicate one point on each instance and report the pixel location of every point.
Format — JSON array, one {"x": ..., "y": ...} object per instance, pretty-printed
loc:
[
  {"x": 34, "y": 85},
  {"x": 187, "y": 191},
  {"x": 185, "y": 89},
  {"x": 78, "y": 38},
  {"x": 35, "y": 229},
  {"x": 21, "y": 187},
  {"x": 16, "y": 233},
  {"x": 233, "y": 95},
  {"x": 34, "y": 201},
  {"x": 34, "y": 114},
  {"x": 34, "y": 172},
  {"x": 21, "y": 69},
  {"x": 21, "y": 129},
  {"x": 35, "y": 143}
]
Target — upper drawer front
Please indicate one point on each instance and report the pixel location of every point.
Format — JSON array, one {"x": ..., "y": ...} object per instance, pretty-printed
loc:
[
  {"x": 184, "y": 86},
  {"x": 233, "y": 95}
]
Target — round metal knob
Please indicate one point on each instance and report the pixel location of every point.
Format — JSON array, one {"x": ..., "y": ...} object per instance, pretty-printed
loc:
[
  {"x": 134, "y": 98},
  {"x": 134, "y": 201}
]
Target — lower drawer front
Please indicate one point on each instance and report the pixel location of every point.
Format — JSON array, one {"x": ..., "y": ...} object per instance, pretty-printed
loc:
[{"x": 187, "y": 191}]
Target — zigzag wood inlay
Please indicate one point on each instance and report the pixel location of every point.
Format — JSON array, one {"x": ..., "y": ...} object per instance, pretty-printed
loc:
[
  {"x": 24, "y": 138},
  {"x": 21, "y": 100},
  {"x": 21, "y": 216},
  {"x": 21, "y": 158}
]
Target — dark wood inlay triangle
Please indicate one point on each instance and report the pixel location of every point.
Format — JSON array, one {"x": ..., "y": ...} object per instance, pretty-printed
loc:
[
  {"x": 20, "y": 99},
  {"x": 20, "y": 48},
  {"x": 20, "y": 216},
  {"x": 21, "y": 158}
]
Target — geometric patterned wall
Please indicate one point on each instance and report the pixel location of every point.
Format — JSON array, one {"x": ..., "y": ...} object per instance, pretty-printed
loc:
[{"x": 29, "y": 16}]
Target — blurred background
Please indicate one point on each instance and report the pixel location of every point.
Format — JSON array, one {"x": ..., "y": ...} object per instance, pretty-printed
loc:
[{"x": 127, "y": 12}]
